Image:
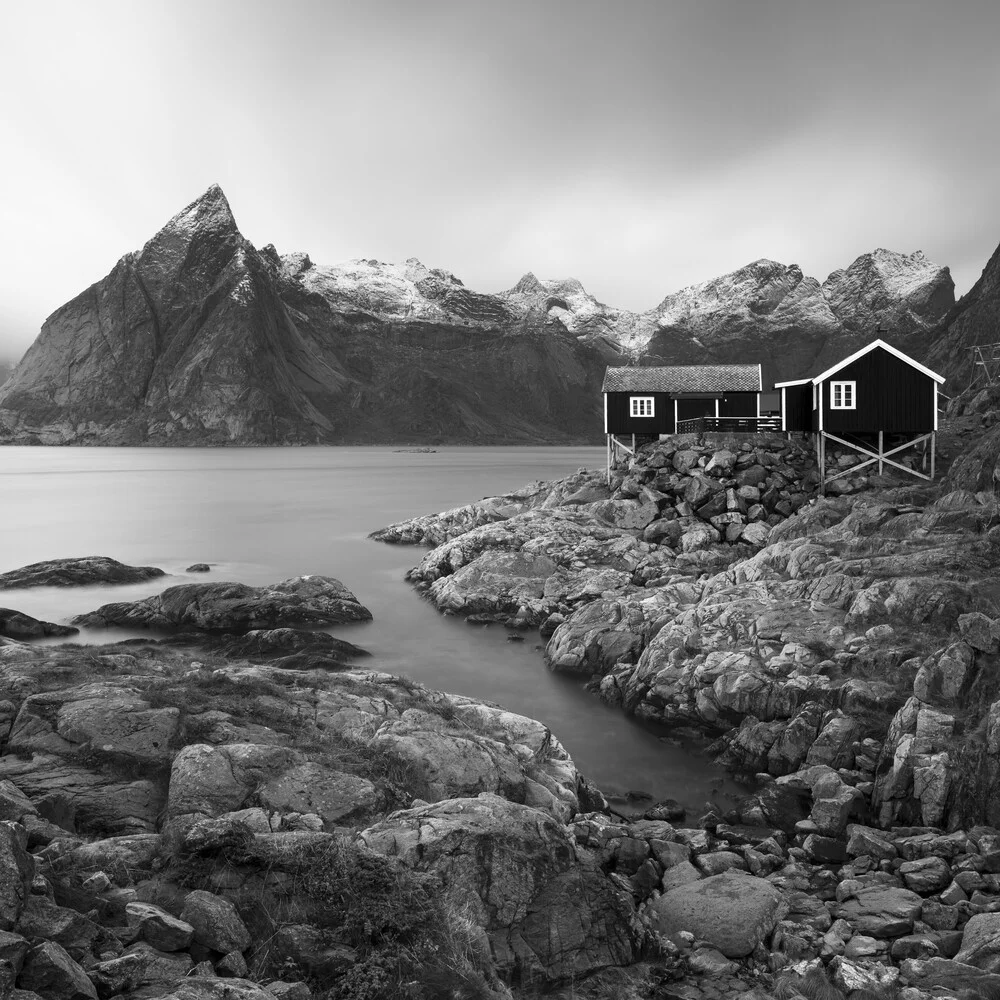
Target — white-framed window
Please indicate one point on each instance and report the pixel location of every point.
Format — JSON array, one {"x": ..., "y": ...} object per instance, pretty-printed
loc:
[
  {"x": 641, "y": 406},
  {"x": 842, "y": 395}
]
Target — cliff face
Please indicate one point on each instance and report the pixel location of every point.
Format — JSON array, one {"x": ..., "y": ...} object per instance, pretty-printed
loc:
[{"x": 200, "y": 338}]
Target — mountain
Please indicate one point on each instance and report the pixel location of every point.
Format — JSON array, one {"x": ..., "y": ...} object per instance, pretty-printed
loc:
[{"x": 201, "y": 338}]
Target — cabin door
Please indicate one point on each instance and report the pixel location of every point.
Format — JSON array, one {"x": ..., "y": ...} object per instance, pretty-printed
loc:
[{"x": 691, "y": 409}]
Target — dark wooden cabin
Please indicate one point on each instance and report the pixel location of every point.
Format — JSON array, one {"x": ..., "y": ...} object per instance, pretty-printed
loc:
[
  {"x": 878, "y": 388},
  {"x": 878, "y": 402},
  {"x": 655, "y": 400}
]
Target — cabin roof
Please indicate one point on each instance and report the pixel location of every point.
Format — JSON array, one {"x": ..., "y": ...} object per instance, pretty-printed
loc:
[
  {"x": 870, "y": 347},
  {"x": 684, "y": 378}
]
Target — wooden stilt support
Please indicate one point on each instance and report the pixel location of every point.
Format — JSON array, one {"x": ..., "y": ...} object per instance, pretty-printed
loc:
[
  {"x": 822, "y": 463},
  {"x": 881, "y": 467},
  {"x": 608, "y": 452},
  {"x": 933, "y": 442}
]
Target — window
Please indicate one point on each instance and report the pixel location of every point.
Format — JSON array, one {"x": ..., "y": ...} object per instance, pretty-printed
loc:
[
  {"x": 842, "y": 395},
  {"x": 641, "y": 406}
]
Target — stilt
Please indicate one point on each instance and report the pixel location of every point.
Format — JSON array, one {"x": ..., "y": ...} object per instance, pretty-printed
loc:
[
  {"x": 933, "y": 441},
  {"x": 881, "y": 452},
  {"x": 822, "y": 463},
  {"x": 607, "y": 448}
]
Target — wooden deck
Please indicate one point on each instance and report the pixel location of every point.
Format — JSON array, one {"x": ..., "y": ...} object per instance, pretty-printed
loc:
[{"x": 744, "y": 425}]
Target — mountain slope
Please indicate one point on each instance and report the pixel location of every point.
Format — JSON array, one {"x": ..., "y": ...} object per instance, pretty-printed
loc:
[{"x": 201, "y": 338}]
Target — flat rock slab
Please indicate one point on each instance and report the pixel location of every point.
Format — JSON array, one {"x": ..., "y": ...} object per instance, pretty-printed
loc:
[
  {"x": 733, "y": 911},
  {"x": 236, "y": 607},
  {"x": 16, "y": 625},
  {"x": 76, "y": 573}
]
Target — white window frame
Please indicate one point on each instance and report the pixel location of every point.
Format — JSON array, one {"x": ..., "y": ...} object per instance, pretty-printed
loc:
[
  {"x": 848, "y": 395},
  {"x": 638, "y": 404}
]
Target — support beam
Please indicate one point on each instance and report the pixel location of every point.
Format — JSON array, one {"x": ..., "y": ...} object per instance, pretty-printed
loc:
[
  {"x": 881, "y": 456},
  {"x": 881, "y": 451}
]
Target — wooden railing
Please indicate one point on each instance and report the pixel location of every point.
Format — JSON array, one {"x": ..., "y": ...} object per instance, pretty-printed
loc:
[{"x": 739, "y": 425}]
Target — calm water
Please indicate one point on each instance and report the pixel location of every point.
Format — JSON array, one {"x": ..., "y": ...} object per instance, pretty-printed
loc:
[{"x": 262, "y": 515}]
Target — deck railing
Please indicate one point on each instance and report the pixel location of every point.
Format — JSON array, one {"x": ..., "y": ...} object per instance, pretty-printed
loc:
[{"x": 744, "y": 425}]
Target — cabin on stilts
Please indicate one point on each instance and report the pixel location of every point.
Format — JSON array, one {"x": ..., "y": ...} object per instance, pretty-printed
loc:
[{"x": 878, "y": 402}]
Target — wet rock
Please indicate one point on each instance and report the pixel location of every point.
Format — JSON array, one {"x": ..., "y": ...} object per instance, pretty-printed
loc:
[
  {"x": 236, "y": 607},
  {"x": 198, "y": 568},
  {"x": 76, "y": 572}
]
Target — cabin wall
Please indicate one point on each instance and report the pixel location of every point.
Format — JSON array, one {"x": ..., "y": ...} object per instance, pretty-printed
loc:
[
  {"x": 620, "y": 421},
  {"x": 798, "y": 407},
  {"x": 738, "y": 404},
  {"x": 890, "y": 395}
]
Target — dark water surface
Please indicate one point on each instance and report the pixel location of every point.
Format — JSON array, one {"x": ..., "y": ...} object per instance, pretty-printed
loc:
[{"x": 264, "y": 514}]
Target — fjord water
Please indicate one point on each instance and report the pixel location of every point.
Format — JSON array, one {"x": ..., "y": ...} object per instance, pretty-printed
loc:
[{"x": 260, "y": 515}]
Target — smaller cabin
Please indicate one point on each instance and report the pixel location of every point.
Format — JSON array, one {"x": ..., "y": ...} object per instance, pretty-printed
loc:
[
  {"x": 660, "y": 400},
  {"x": 876, "y": 389}
]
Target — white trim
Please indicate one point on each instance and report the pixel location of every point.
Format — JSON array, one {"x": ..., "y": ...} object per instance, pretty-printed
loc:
[
  {"x": 716, "y": 407},
  {"x": 639, "y": 403},
  {"x": 760, "y": 381},
  {"x": 605, "y": 413},
  {"x": 676, "y": 411},
  {"x": 784, "y": 411},
  {"x": 849, "y": 391},
  {"x": 887, "y": 347},
  {"x": 797, "y": 381},
  {"x": 935, "y": 406},
  {"x": 759, "y": 394}
]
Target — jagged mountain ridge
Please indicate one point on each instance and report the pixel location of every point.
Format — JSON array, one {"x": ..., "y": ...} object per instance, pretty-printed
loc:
[{"x": 201, "y": 338}]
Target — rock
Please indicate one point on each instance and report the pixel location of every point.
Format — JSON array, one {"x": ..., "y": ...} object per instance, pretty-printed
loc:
[
  {"x": 571, "y": 919},
  {"x": 216, "y": 923},
  {"x": 42, "y": 918},
  {"x": 50, "y": 972},
  {"x": 882, "y": 912},
  {"x": 16, "y": 625},
  {"x": 198, "y": 568},
  {"x": 981, "y": 942},
  {"x": 161, "y": 929},
  {"x": 118, "y": 975},
  {"x": 979, "y": 631},
  {"x": 76, "y": 572},
  {"x": 233, "y": 965},
  {"x": 269, "y": 644},
  {"x": 926, "y": 875},
  {"x": 236, "y": 607},
  {"x": 17, "y": 869},
  {"x": 733, "y": 912},
  {"x": 710, "y": 962},
  {"x": 953, "y": 975}
]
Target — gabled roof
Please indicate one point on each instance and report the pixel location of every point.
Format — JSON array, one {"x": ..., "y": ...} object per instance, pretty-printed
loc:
[
  {"x": 860, "y": 354},
  {"x": 684, "y": 378}
]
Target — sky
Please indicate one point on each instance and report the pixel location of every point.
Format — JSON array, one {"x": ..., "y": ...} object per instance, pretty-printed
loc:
[{"x": 638, "y": 145}]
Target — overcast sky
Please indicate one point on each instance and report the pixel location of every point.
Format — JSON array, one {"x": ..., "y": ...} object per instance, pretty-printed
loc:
[{"x": 638, "y": 145}]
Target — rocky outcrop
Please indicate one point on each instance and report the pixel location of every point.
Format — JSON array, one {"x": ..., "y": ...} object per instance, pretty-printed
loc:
[
  {"x": 76, "y": 572},
  {"x": 201, "y": 338},
  {"x": 236, "y": 607},
  {"x": 16, "y": 625}
]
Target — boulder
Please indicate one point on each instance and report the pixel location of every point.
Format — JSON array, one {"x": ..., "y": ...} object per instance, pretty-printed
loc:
[
  {"x": 733, "y": 912},
  {"x": 881, "y": 912},
  {"x": 51, "y": 973},
  {"x": 215, "y": 922},
  {"x": 16, "y": 625},
  {"x": 160, "y": 928},
  {"x": 981, "y": 942}
]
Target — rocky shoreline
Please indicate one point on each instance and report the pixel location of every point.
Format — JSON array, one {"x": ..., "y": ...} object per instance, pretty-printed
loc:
[
  {"x": 845, "y": 652},
  {"x": 234, "y": 809}
]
